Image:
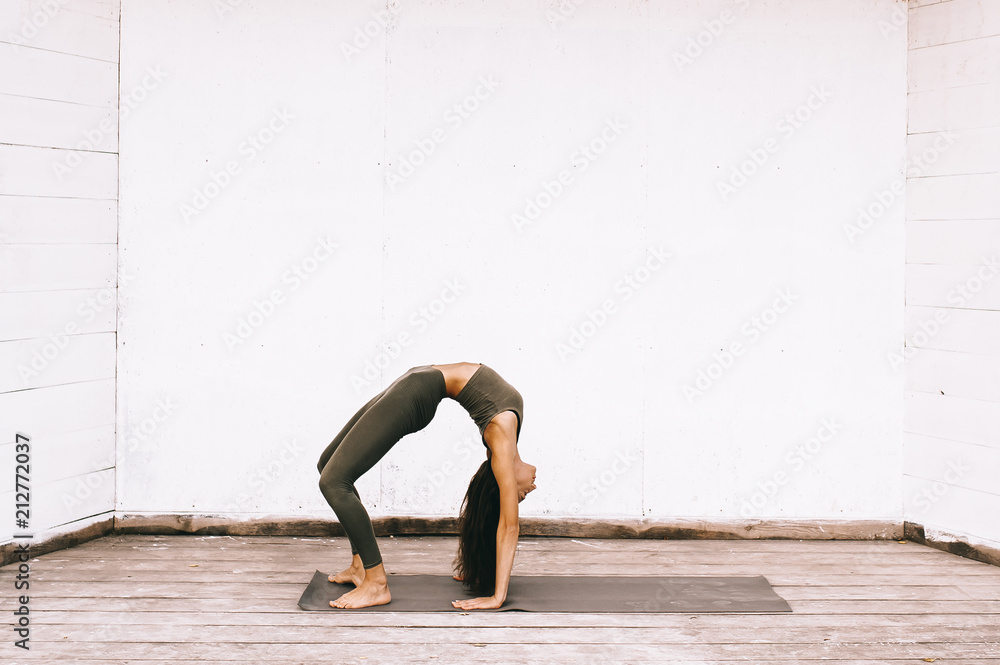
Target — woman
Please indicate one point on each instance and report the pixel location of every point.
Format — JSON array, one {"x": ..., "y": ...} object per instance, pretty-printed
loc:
[{"x": 488, "y": 521}]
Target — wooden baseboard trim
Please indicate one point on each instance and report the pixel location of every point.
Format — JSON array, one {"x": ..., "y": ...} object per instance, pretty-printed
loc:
[
  {"x": 679, "y": 529},
  {"x": 916, "y": 533},
  {"x": 9, "y": 552}
]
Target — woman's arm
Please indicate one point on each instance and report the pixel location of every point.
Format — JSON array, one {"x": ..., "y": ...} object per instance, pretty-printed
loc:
[
  {"x": 507, "y": 528},
  {"x": 504, "y": 452}
]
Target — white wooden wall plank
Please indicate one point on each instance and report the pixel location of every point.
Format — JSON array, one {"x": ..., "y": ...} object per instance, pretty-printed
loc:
[
  {"x": 38, "y": 314},
  {"x": 53, "y": 27},
  {"x": 955, "y": 108},
  {"x": 58, "y": 409},
  {"x": 33, "y": 219},
  {"x": 957, "y": 463},
  {"x": 53, "y": 267},
  {"x": 953, "y": 509},
  {"x": 965, "y": 330},
  {"x": 954, "y": 21},
  {"x": 30, "y": 171},
  {"x": 58, "y": 250},
  {"x": 952, "y": 65},
  {"x": 52, "y": 361},
  {"x": 924, "y": 3},
  {"x": 109, "y": 10},
  {"x": 951, "y": 448},
  {"x": 962, "y": 242},
  {"x": 953, "y": 197},
  {"x": 968, "y": 287},
  {"x": 943, "y": 534},
  {"x": 49, "y": 124},
  {"x": 62, "y": 501},
  {"x": 60, "y": 456},
  {"x": 952, "y": 418},
  {"x": 970, "y": 375},
  {"x": 7, "y": 533},
  {"x": 32, "y": 72},
  {"x": 955, "y": 153}
]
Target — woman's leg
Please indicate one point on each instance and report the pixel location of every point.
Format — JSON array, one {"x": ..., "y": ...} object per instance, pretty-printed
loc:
[
  {"x": 328, "y": 452},
  {"x": 405, "y": 406},
  {"x": 370, "y": 437}
]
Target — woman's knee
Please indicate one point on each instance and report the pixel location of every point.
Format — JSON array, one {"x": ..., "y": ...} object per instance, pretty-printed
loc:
[{"x": 335, "y": 487}]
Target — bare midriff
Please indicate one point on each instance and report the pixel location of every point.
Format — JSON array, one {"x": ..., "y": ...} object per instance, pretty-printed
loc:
[{"x": 456, "y": 375}]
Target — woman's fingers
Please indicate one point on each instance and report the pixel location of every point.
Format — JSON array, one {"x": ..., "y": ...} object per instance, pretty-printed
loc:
[{"x": 476, "y": 603}]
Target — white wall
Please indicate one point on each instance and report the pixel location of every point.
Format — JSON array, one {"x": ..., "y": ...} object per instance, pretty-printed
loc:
[
  {"x": 952, "y": 361},
  {"x": 240, "y": 425},
  {"x": 58, "y": 232}
]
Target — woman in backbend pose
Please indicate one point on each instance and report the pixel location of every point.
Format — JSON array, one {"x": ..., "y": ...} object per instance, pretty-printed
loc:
[{"x": 488, "y": 526}]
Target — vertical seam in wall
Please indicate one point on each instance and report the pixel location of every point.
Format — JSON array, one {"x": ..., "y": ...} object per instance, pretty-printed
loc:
[
  {"x": 118, "y": 223},
  {"x": 645, "y": 343},
  {"x": 383, "y": 239},
  {"x": 906, "y": 149}
]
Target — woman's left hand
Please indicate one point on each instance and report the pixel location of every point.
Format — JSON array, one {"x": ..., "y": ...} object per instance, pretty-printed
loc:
[{"x": 489, "y": 603}]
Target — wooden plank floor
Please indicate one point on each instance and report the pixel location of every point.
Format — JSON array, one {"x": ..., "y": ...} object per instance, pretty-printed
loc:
[{"x": 224, "y": 599}]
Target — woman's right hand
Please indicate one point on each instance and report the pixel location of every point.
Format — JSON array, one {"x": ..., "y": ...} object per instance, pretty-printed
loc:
[{"x": 486, "y": 603}]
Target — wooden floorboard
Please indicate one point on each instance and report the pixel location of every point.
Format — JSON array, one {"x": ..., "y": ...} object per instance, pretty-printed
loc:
[{"x": 232, "y": 599}]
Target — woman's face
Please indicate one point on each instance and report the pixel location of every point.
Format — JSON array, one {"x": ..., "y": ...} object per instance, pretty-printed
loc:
[{"x": 525, "y": 474}]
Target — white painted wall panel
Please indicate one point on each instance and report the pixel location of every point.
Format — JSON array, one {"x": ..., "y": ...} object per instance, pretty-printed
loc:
[
  {"x": 720, "y": 446},
  {"x": 58, "y": 255},
  {"x": 955, "y": 108},
  {"x": 33, "y": 72},
  {"x": 55, "y": 26},
  {"x": 26, "y": 364},
  {"x": 953, "y": 418},
  {"x": 953, "y": 65},
  {"x": 54, "y": 124},
  {"x": 38, "y": 314},
  {"x": 52, "y": 267},
  {"x": 954, "y": 373},
  {"x": 67, "y": 455},
  {"x": 266, "y": 406},
  {"x": 58, "y": 503},
  {"x": 953, "y": 197},
  {"x": 30, "y": 171},
  {"x": 956, "y": 152},
  {"x": 969, "y": 514},
  {"x": 965, "y": 330},
  {"x": 952, "y": 294},
  {"x": 31, "y": 220},
  {"x": 953, "y": 21},
  {"x": 497, "y": 297},
  {"x": 970, "y": 466},
  {"x": 57, "y": 409},
  {"x": 966, "y": 286},
  {"x": 953, "y": 242}
]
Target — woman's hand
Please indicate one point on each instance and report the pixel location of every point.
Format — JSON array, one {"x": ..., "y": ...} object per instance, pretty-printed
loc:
[{"x": 490, "y": 603}]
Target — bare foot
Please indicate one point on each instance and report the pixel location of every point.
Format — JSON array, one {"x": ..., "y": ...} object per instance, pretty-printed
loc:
[
  {"x": 366, "y": 595},
  {"x": 353, "y": 574}
]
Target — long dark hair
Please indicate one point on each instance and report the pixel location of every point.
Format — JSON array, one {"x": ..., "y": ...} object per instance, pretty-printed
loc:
[{"x": 476, "y": 561}]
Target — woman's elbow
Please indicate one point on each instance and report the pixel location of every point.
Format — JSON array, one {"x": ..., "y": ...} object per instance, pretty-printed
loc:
[{"x": 507, "y": 526}]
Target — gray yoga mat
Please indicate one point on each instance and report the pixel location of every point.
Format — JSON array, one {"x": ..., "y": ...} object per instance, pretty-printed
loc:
[{"x": 434, "y": 593}]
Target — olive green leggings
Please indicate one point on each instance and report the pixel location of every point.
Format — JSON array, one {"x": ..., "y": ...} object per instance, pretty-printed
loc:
[{"x": 406, "y": 406}]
